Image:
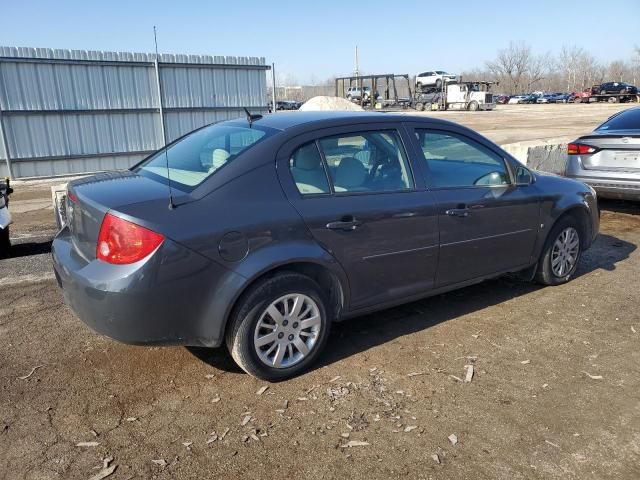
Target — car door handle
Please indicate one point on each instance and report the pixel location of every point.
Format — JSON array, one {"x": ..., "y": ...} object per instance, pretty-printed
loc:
[
  {"x": 458, "y": 212},
  {"x": 347, "y": 225}
]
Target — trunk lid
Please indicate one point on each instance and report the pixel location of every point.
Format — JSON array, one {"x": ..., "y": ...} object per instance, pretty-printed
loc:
[
  {"x": 89, "y": 199},
  {"x": 619, "y": 150}
]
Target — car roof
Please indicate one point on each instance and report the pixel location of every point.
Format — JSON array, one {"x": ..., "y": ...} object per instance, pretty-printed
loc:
[{"x": 318, "y": 119}]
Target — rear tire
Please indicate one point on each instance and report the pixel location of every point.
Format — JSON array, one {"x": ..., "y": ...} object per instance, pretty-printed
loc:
[
  {"x": 264, "y": 323},
  {"x": 613, "y": 99},
  {"x": 5, "y": 243},
  {"x": 419, "y": 106},
  {"x": 559, "y": 259}
]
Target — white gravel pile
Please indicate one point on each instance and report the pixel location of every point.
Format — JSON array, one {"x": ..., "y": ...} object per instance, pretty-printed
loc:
[{"x": 322, "y": 103}]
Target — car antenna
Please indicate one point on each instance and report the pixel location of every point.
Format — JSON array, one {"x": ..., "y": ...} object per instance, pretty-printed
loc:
[
  {"x": 164, "y": 139},
  {"x": 251, "y": 117}
]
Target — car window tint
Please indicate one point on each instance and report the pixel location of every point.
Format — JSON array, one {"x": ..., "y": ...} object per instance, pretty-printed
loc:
[
  {"x": 308, "y": 171},
  {"x": 627, "y": 120},
  {"x": 455, "y": 161},
  {"x": 367, "y": 162}
]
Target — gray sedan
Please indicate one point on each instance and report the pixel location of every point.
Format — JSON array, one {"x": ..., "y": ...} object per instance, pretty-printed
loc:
[
  {"x": 609, "y": 158},
  {"x": 260, "y": 233}
]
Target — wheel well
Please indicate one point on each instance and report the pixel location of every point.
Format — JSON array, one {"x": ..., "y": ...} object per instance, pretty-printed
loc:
[
  {"x": 580, "y": 215},
  {"x": 327, "y": 280}
]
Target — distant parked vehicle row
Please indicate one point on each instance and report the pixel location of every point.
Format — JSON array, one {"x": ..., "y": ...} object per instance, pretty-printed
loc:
[{"x": 282, "y": 105}]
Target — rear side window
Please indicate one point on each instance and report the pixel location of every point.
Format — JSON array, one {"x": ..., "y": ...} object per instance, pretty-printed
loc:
[
  {"x": 200, "y": 154},
  {"x": 627, "y": 120},
  {"x": 308, "y": 170},
  {"x": 455, "y": 161}
]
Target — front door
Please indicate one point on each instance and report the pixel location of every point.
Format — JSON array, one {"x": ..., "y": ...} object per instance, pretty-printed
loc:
[
  {"x": 362, "y": 203},
  {"x": 487, "y": 223}
]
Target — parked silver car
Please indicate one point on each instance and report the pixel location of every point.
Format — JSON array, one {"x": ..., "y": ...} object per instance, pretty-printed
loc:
[{"x": 608, "y": 159}]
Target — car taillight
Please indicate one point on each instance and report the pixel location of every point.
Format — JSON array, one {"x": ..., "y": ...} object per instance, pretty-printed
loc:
[
  {"x": 580, "y": 149},
  {"x": 121, "y": 242}
]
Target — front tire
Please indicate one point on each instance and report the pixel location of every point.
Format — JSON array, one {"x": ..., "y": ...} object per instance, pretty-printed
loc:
[
  {"x": 279, "y": 327},
  {"x": 561, "y": 254},
  {"x": 473, "y": 106}
]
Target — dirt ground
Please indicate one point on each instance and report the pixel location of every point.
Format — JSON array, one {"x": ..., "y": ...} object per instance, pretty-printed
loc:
[{"x": 555, "y": 391}]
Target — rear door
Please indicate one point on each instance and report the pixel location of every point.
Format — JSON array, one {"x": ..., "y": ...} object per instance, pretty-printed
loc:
[
  {"x": 356, "y": 191},
  {"x": 487, "y": 223}
]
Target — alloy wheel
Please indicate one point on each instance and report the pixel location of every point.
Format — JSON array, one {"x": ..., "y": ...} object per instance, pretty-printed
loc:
[
  {"x": 287, "y": 330},
  {"x": 564, "y": 254}
]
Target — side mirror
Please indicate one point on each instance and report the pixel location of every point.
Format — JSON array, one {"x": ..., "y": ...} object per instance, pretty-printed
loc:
[{"x": 523, "y": 176}]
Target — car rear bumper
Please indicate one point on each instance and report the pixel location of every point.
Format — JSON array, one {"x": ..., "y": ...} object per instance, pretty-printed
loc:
[
  {"x": 622, "y": 184},
  {"x": 173, "y": 297},
  {"x": 623, "y": 191}
]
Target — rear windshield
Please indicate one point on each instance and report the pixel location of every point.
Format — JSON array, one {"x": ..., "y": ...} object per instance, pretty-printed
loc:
[
  {"x": 627, "y": 120},
  {"x": 195, "y": 157}
]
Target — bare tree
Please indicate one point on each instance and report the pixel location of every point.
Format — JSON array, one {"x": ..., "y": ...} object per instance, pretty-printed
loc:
[
  {"x": 511, "y": 65},
  {"x": 617, "y": 70},
  {"x": 537, "y": 70}
]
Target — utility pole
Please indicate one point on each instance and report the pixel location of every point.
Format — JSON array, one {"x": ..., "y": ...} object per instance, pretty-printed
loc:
[
  {"x": 356, "y": 73},
  {"x": 273, "y": 88}
]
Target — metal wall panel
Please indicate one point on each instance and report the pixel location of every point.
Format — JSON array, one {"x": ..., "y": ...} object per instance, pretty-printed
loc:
[{"x": 74, "y": 111}]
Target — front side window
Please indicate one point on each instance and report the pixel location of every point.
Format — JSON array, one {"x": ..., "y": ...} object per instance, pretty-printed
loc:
[
  {"x": 455, "y": 161},
  {"x": 366, "y": 162},
  {"x": 200, "y": 154}
]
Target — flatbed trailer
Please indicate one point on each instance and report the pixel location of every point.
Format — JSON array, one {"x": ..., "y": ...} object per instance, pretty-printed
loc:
[{"x": 614, "y": 97}]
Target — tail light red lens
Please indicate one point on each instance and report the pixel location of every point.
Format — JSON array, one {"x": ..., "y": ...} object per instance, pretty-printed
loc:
[
  {"x": 121, "y": 242},
  {"x": 580, "y": 149}
]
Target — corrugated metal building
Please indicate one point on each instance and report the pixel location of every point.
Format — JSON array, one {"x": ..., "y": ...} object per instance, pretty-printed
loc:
[{"x": 75, "y": 111}]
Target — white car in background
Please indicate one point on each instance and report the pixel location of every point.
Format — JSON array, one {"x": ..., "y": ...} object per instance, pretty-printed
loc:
[
  {"x": 5, "y": 216},
  {"x": 434, "y": 78},
  {"x": 516, "y": 99}
]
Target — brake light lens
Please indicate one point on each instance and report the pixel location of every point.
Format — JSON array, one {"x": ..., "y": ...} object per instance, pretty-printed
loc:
[
  {"x": 580, "y": 149},
  {"x": 121, "y": 242}
]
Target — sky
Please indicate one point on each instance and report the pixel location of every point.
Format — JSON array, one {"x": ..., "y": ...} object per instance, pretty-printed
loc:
[{"x": 312, "y": 41}]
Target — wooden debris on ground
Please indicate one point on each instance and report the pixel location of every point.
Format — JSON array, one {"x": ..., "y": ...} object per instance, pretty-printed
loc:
[
  {"x": 33, "y": 370},
  {"x": 469, "y": 375},
  {"x": 106, "y": 469}
]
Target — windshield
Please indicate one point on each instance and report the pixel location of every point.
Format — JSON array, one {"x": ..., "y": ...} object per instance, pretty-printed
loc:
[
  {"x": 627, "y": 120},
  {"x": 200, "y": 154}
]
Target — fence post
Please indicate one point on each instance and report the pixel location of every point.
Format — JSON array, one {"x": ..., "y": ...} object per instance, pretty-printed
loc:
[
  {"x": 3, "y": 137},
  {"x": 160, "y": 109}
]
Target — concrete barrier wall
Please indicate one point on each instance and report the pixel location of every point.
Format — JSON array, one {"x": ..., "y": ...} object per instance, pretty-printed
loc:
[
  {"x": 548, "y": 158},
  {"x": 544, "y": 155}
]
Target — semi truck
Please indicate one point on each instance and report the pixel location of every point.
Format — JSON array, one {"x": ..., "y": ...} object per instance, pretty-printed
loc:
[{"x": 467, "y": 95}]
